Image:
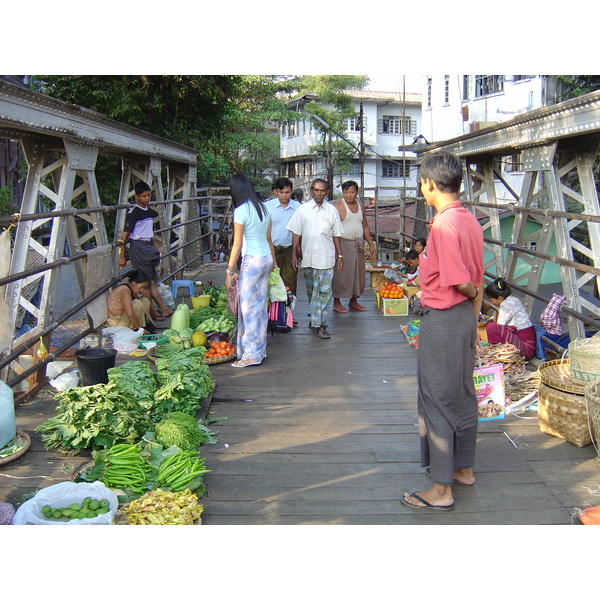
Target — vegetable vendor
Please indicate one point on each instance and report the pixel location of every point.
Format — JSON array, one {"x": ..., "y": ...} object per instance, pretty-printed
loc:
[
  {"x": 128, "y": 306},
  {"x": 511, "y": 324}
]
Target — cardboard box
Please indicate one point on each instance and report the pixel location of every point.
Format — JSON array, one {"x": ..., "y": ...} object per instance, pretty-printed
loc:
[{"x": 392, "y": 307}]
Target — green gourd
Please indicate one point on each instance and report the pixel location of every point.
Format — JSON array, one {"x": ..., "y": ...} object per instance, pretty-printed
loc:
[{"x": 181, "y": 318}]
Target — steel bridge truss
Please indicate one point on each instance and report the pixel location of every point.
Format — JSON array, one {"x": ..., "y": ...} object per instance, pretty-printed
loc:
[{"x": 61, "y": 143}]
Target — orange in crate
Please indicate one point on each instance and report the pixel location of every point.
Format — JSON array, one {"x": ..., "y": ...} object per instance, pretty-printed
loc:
[{"x": 391, "y": 290}]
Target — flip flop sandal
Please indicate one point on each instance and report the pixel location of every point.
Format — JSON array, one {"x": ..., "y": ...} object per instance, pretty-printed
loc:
[
  {"x": 322, "y": 333},
  {"x": 240, "y": 364},
  {"x": 425, "y": 503},
  {"x": 340, "y": 310}
]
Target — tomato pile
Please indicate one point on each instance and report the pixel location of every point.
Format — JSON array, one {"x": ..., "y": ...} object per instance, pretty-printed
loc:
[
  {"x": 219, "y": 349},
  {"x": 391, "y": 290}
]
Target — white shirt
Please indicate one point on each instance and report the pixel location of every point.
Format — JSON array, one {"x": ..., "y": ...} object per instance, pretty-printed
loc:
[
  {"x": 317, "y": 225},
  {"x": 512, "y": 312}
]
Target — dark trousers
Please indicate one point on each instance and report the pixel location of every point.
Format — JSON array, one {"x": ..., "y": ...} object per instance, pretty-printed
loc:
[{"x": 283, "y": 256}]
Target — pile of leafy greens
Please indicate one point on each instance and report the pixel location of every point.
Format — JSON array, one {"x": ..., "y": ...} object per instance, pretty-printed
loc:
[
  {"x": 95, "y": 416},
  {"x": 130, "y": 404}
]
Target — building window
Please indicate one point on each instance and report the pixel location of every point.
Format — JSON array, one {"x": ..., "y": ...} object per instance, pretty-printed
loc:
[
  {"x": 446, "y": 89},
  {"x": 522, "y": 77},
  {"x": 395, "y": 170},
  {"x": 429, "y": 82},
  {"x": 465, "y": 95},
  {"x": 352, "y": 171},
  {"x": 354, "y": 123},
  {"x": 393, "y": 124},
  {"x": 292, "y": 129},
  {"x": 488, "y": 84}
]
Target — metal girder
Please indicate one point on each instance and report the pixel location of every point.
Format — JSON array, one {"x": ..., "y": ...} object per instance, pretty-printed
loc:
[
  {"x": 28, "y": 111},
  {"x": 577, "y": 117}
]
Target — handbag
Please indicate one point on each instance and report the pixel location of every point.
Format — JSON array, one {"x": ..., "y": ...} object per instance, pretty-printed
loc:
[
  {"x": 232, "y": 299},
  {"x": 276, "y": 290}
]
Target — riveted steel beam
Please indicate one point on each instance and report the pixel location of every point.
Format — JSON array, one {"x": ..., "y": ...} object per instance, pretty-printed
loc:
[
  {"x": 577, "y": 117},
  {"x": 25, "y": 111}
]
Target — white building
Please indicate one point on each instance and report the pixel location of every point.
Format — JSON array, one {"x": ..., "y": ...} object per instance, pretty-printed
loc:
[
  {"x": 456, "y": 105},
  {"x": 390, "y": 120}
]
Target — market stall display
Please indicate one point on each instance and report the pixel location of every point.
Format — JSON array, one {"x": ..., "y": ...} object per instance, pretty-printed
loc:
[
  {"x": 48, "y": 505},
  {"x": 391, "y": 300}
]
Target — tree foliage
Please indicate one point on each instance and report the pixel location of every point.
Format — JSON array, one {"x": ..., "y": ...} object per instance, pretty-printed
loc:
[{"x": 223, "y": 117}]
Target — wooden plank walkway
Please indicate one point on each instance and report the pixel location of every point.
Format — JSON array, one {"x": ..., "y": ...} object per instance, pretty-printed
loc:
[{"x": 325, "y": 432}]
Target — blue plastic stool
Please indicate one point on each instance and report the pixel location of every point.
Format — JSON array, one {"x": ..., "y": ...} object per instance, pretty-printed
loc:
[{"x": 177, "y": 283}]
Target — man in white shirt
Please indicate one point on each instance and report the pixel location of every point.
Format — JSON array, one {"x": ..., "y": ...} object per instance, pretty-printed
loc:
[
  {"x": 282, "y": 208},
  {"x": 316, "y": 224}
]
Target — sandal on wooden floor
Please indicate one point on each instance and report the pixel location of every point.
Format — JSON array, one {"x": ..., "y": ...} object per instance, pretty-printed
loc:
[{"x": 322, "y": 333}]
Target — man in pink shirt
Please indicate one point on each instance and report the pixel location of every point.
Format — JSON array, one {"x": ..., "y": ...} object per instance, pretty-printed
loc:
[{"x": 451, "y": 273}]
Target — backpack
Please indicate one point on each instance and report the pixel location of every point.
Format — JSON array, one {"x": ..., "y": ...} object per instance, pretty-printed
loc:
[{"x": 280, "y": 318}]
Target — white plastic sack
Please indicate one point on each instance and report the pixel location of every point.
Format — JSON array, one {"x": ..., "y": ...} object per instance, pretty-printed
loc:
[
  {"x": 165, "y": 293},
  {"x": 123, "y": 339},
  {"x": 65, "y": 381},
  {"x": 62, "y": 494}
]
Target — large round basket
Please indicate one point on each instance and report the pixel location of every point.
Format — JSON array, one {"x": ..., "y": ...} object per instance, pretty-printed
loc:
[
  {"x": 24, "y": 443},
  {"x": 219, "y": 359},
  {"x": 592, "y": 398},
  {"x": 584, "y": 359},
  {"x": 562, "y": 410}
]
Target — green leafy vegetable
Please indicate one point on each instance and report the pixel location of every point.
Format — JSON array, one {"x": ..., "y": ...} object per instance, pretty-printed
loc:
[
  {"x": 182, "y": 430},
  {"x": 96, "y": 416},
  {"x": 136, "y": 380}
]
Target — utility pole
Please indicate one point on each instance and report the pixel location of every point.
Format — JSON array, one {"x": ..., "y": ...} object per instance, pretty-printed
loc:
[
  {"x": 361, "y": 154},
  {"x": 330, "y": 166}
]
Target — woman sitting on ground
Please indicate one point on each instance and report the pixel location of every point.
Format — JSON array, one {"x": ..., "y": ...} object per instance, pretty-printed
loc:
[
  {"x": 511, "y": 324},
  {"x": 128, "y": 306}
]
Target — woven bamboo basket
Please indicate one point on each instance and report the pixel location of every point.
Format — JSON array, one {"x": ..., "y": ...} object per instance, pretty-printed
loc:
[
  {"x": 592, "y": 399},
  {"x": 562, "y": 410},
  {"x": 584, "y": 359},
  {"x": 219, "y": 359},
  {"x": 24, "y": 442}
]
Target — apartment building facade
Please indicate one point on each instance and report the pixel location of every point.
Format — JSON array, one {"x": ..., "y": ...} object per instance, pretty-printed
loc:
[{"x": 390, "y": 120}]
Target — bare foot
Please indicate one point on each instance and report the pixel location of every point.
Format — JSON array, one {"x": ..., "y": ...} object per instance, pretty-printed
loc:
[
  {"x": 464, "y": 476},
  {"x": 354, "y": 305},
  {"x": 438, "y": 495},
  {"x": 338, "y": 307}
]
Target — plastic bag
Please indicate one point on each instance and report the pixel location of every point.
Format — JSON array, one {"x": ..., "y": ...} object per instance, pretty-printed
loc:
[
  {"x": 165, "y": 293},
  {"x": 232, "y": 300},
  {"x": 65, "y": 381},
  {"x": 123, "y": 339},
  {"x": 277, "y": 291},
  {"x": 62, "y": 494}
]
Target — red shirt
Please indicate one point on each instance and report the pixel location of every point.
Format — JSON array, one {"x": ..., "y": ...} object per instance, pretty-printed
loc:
[{"x": 454, "y": 255}]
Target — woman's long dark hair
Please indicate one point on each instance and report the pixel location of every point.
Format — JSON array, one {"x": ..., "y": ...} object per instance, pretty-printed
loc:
[
  {"x": 137, "y": 277},
  {"x": 243, "y": 191},
  {"x": 497, "y": 289}
]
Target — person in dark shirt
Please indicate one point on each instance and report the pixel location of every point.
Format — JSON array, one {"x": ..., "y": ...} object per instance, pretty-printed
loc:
[{"x": 138, "y": 230}]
